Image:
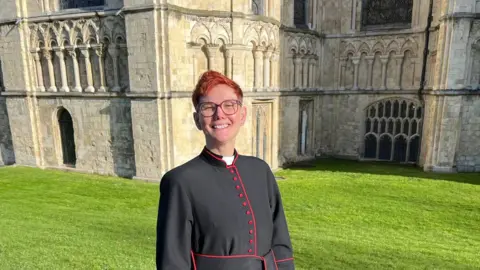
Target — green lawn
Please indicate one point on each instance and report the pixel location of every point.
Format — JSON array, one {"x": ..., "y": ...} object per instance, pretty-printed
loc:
[{"x": 342, "y": 215}]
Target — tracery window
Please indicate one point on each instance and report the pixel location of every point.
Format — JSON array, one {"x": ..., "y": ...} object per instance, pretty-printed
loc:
[
  {"x": 392, "y": 131},
  {"x": 66, "y": 4},
  {"x": 258, "y": 7},
  {"x": 386, "y": 12},
  {"x": 300, "y": 13}
]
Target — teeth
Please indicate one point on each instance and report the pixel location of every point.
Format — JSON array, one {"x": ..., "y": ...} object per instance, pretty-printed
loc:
[{"x": 220, "y": 126}]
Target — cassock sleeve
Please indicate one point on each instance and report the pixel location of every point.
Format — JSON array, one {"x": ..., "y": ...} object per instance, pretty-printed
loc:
[
  {"x": 174, "y": 226},
  {"x": 281, "y": 243}
]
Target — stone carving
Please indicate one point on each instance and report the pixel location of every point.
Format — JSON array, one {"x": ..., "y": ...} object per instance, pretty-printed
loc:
[
  {"x": 261, "y": 34},
  {"x": 302, "y": 50},
  {"x": 211, "y": 31}
]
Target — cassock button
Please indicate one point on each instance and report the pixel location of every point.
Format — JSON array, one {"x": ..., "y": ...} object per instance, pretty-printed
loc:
[
  {"x": 250, "y": 222},
  {"x": 237, "y": 187},
  {"x": 251, "y": 241},
  {"x": 251, "y": 231},
  {"x": 232, "y": 171},
  {"x": 234, "y": 178},
  {"x": 250, "y": 250},
  {"x": 248, "y": 212},
  {"x": 244, "y": 203},
  {"x": 240, "y": 195}
]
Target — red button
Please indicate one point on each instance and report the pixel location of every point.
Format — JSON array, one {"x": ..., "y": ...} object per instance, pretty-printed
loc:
[
  {"x": 244, "y": 203},
  {"x": 237, "y": 187},
  {"x": 234, "y": 178},
  {"x": 248, "y": 212},
  {"x": 250, "y": 222},
  {"x": 250, "y": 250},
  {"x": 240, "y": 195},
  {"x": 251, "y": 241},
  {"x": 251, "y": 231},
  {"x": 232, "y": 171}
]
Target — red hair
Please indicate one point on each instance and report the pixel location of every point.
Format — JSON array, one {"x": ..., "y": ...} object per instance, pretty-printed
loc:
[{"x": 210, "y": 79}]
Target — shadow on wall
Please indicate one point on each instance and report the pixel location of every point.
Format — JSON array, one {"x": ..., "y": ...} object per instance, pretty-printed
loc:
[
  {"x": 121, "y": 136},
  {"x": 7, "y": 155},
  {"x": 381, "y": 168}
]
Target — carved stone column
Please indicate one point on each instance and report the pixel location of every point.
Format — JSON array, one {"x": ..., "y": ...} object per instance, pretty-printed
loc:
[
  {"x": 311, "y": 72},
  {"x": 266, "y": 68},
  {"x": 274, "y": 73},
  {"x": 228, "y": 66},
  {"x": 88, "y": 67},
  {"x": 63, "y": 70},
  {"x": 305, "y": 63},
  {"x": 51, "y": 75},
  {"x": 99, "y": 51},
  {"x": 212, "y": 53},
  {"x": 76, "y": 70},
  {"x": 356, "y": 63},
  {"x": 297, "y": 66},
  {"x": 369, "y": 72},
  {"x": 38, "y": 68},
  {"x": 113, "y": 51},
  {"x": 257, "y": 55},
  {"x": 341, "y": 73},
  {"x": 384, "y": 60},
  {"x": 399, "y": 62}
]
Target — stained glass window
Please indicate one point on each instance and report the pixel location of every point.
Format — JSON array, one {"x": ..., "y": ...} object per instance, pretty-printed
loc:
[
  {"x": 386, "y": 12},
  {"x": 66, "y": 4}
]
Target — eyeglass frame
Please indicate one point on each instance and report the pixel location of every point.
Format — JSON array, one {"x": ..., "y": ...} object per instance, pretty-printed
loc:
[{"x": 239, "y": 103}]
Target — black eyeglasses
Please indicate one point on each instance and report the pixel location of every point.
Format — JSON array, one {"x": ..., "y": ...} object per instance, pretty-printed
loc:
[{"x": 229, "y": 107}]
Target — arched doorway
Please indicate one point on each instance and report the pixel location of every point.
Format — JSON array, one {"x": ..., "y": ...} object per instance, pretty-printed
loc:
[
  {"x": 393, "y": 130},
  {"x": 67, "y": 136}
]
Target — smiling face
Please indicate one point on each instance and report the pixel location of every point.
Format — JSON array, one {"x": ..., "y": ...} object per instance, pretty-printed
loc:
[{"x": 220, "y": 115}]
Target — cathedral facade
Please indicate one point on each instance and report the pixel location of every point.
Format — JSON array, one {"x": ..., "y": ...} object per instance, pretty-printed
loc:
[{"x": 104, "y": 86}]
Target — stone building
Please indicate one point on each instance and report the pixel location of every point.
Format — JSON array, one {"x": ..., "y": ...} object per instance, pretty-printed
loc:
[{"x": 104, "y": 86}]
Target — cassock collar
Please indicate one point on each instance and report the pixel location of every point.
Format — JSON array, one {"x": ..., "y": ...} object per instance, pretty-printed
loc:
[{"x": 217, "y": 160}]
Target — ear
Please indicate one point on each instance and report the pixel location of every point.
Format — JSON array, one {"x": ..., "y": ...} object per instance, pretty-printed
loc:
[
  {"x": 197, "y": 121},
  {"x": 243, "y": 115}
]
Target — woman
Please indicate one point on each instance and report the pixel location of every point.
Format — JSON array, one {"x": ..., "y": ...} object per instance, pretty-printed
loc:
[{"x": 221, "y": 210}]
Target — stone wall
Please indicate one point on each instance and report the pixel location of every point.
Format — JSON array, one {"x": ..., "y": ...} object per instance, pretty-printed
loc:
[
  {"x": 7, "y": 154},
  {"x": 468, "y": 151}
]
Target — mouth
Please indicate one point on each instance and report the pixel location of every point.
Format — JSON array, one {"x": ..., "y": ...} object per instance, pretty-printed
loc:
[{"x": 223, "y": 126}]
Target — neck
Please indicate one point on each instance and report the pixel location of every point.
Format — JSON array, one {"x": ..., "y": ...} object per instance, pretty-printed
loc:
[{"x": 221, "y": 149}]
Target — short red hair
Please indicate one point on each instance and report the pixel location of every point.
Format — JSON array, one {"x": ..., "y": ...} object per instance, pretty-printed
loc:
[{"x": 210, "y": 79}]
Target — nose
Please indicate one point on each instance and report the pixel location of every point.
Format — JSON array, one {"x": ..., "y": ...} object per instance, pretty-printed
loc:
[{"x": 219, "y": 113}]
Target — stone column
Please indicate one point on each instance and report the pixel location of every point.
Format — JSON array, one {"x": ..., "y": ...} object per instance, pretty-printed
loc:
[
  {"x": 370, "y": 71},
  {"x": 228, "y": 67},
  {"x": 47, "y": 55},
  {"x": 88, "y": 67},
  {"x": 76, "y": 70},
  {"x": 212, "y": 53},
  {"x": 341, "y": 73},
  {"x": 399, "y": 62},
  {"x": 38, "y": 68},
  {"x": 257, "y": 55},
  {"x": 113, "y": 51},
  {"x": 305, "y": 63},
  {"x": 274, "y": 67},
  {"x": 99, "y": 51},
  {"x": 384, "y": 60},
  {"x": 297, "y": 65},
  {"x": 266, "y": 68},
  {"x": 356, "y": 63},
  {"x": 63, "y": 70}
]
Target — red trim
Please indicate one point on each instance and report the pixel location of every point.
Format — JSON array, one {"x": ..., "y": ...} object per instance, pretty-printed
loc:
[
  {"x": 229, "y": 256},
  {"x": 193, "y": 260},
  {"x": 219, "y": 159},
  {"x": 284, "y": 260},
  {"x": 274, "y": 259},
  {"x": 249, "y": 206}
]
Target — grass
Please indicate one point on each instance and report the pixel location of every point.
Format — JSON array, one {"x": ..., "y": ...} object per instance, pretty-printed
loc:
[{"x": 341, "y": 214}]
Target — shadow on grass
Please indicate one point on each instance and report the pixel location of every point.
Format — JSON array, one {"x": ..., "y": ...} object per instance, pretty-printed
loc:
[{"x": 381, "y": 168}]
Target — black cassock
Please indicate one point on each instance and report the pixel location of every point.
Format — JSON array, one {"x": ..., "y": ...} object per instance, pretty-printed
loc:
[{"x": 213, "y": 216}]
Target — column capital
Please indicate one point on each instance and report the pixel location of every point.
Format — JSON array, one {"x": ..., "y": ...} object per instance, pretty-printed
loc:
[
  {"x": 267, "y": 54},
  {"x": 212, "y": 49},
  {"x": 356, "y": 60},
  {"x": 46, "y": 54},
  {"x": 384, "y": 59}
]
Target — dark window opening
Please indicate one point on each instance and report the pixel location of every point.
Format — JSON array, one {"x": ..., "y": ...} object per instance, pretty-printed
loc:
[{"x": 67, "y": 136}]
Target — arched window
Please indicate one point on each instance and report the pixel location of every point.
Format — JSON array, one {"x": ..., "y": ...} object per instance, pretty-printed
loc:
[
  {"x": 387, "y": 12},
  {"x": 258, "y": 7},
  {"x": 66, "y": 4},
  {"x": 67, "y": 136},
  {"x": 392, "y": 131},
  {"x": 300, "y": 13}
]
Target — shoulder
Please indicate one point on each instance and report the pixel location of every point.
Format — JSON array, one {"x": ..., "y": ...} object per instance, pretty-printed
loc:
[
  {"x": 253, "y": 163},
  {"x": 181, "y": 175}
]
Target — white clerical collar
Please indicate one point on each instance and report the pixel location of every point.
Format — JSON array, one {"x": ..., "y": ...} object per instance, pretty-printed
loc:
[{"x": 228, "y": 160}]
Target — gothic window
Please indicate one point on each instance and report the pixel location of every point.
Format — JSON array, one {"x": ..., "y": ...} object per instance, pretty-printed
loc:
[
  {"x": 305, "y": 127},
  {"x": 387, "y": 12},
  {"x": 67, "y": 137},
  {"x": 258, "y": 7},
  {"x": 300, "y": 13},
  {"x": 66, "y": 4},
  {"x": 392, "y": 131}
]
